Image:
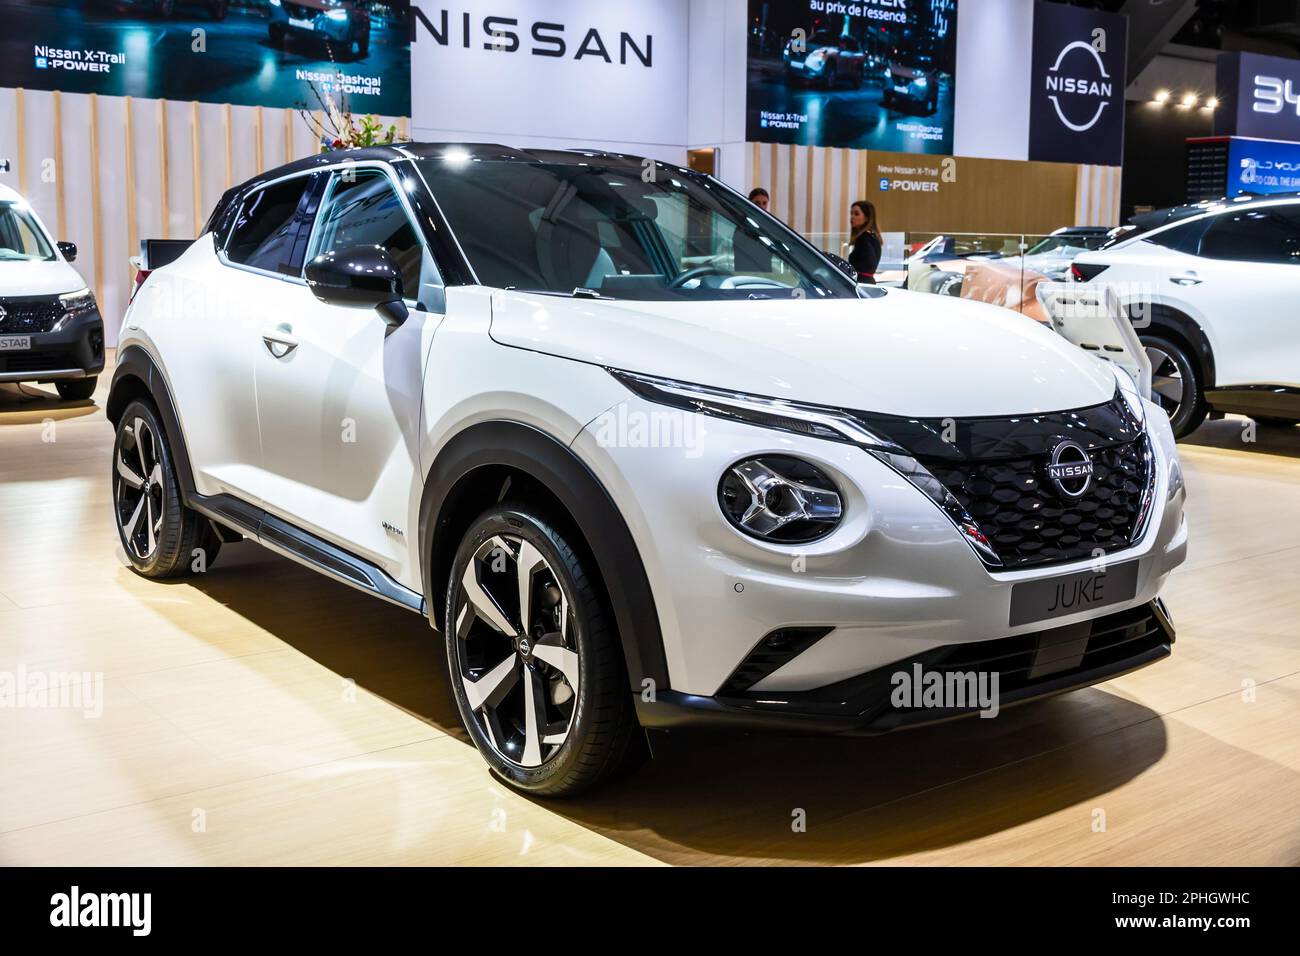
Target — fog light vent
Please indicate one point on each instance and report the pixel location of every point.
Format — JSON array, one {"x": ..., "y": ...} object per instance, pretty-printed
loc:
[{"x": 771, "y": 653}]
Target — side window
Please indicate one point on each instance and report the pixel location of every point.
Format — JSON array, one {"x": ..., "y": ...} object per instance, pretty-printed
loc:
[
  {"x": 264, "y": 231},
  {"x": 1270, "y": 234},
  {"x": 1185, "y": 238},
  {"x": 364, "y": 210}
]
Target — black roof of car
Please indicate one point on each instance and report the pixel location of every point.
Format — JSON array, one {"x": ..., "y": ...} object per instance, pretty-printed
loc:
[
  {"x": 1083, "y": 231},
  {"x": 397, "y": 152},
  {"x": 472, "y": 151},
  {"x": 1150, "y": 220}
]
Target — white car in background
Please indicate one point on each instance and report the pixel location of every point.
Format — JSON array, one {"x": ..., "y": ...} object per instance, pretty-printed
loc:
[
  {"x": 486, "y": 385},
  {"x": 1213, "y": 290},
  {"x": 50, "y": 329}
]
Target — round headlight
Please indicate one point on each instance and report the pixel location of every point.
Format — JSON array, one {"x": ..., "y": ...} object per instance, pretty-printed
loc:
[{"x": 781, "y": 499}]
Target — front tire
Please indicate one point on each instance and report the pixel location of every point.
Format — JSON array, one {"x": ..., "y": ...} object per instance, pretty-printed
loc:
[
  {"x": 1176, "y": 384},
  {"x": 535, "y": 662},
  {"x": 76, "y": 389},
  {"x": 161, "y": 537}
]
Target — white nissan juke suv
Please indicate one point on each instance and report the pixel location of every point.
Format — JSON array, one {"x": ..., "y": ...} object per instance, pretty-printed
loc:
[{"x": 643, "y": 456}]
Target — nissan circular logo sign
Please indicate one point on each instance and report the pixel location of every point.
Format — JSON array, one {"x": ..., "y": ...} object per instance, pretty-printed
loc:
[
  {"x": 1076, "y": 103},
  {"x": 1070, "y": 469},
  {"x": 1079, "y": 86}
]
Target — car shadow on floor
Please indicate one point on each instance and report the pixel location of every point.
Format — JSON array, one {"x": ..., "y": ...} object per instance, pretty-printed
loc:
[
  {"x": 740, "y": 798},
  {"x": 32, "y": 404},
  {"x": 1243, "y": 434}
]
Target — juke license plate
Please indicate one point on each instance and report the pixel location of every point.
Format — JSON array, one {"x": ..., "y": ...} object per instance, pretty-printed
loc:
[{"x": 1071, "y": 593}]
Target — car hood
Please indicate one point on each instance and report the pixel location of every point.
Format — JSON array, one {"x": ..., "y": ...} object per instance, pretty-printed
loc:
[
  {"x": 899, "y": 354},
  {"x": 39, "y": 278}
]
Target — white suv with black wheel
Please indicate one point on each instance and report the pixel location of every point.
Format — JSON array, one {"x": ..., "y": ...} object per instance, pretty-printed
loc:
[
  {"x": 1212, "y": 291},
  {"x": 643, "y": 456}
]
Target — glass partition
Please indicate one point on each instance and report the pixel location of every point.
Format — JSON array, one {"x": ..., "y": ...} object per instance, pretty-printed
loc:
[{"x": 1003, "y": 269}]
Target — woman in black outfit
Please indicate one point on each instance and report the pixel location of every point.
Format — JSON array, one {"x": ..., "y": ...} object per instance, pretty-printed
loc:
[{"x": 864, "y": 253}]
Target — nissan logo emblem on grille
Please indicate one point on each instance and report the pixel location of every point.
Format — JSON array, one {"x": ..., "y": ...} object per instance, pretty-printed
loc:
[{"x": 1070, "y": 469}]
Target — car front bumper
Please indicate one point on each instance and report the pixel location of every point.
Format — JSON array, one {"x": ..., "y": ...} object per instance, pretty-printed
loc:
[
  {"x": 74, "y": 351},
  {"x": 1029, "y": 667},
  {"x": 895, "y": 583},
  {"x": 312, "y": 24},
  {"x": 808, "y": 69},
  {"x": 911, "y": 95}
]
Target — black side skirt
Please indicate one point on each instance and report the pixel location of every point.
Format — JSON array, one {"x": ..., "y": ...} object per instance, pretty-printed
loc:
[{"x": 306, "y": 548}]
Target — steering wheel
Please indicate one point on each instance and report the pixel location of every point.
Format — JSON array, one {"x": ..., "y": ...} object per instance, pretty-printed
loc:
[{"x": 699, "y": 272}]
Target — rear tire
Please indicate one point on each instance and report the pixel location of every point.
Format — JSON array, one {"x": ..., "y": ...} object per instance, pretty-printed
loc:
[
  {"x": 161, "y": 537},
  {"x": 515, "y": 686},
  {"x": 1176, "y": 384},
  {"x": 76, "y": 389}
]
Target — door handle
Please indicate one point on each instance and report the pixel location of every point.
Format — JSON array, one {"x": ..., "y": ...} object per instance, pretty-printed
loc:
[
  {"x": 1187, "y": 278},
  {"x": 279, "y": 342}
]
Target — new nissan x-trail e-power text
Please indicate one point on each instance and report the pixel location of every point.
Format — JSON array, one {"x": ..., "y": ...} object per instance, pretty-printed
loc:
[{"x": 643, "y": 456}]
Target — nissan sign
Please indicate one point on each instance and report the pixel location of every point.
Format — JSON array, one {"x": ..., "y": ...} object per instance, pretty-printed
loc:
[{"x": 1076, "y": 111}]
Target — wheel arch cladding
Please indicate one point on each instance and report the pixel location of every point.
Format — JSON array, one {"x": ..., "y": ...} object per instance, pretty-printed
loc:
[
  {"x": 468, "y": 472},
  {"x": 1168, "y": 321},
  {"x": 137, "y": 376}
]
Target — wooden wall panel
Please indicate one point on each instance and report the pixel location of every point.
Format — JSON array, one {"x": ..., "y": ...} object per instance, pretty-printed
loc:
[
  {"x": 144, "y": 169},
  {"x": 812, "y": 188},
  {"x": 988, "y": 195}
]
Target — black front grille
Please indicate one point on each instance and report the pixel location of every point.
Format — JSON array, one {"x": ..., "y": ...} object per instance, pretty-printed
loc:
[
  {"x": 1029, "y": 522},
  {"x": 299, "y": 12},
  {"x": 24, "y": 316},
  {"x": 35, "y": 361},
  {"x": 1035, "y": 658},
  {"x": 996, "y": 468}
]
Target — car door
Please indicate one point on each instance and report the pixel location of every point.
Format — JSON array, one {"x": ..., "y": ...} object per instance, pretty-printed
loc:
[
  {"x": 1249, "y": 273},
  {"x": 221, "y": 318},
  {"x": 338, "y": 389}
]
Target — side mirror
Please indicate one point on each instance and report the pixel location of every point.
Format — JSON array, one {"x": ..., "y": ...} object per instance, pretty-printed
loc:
[
  {"x": 359, "y": 276},
  {"x": 69, "y": 250},
  {"x": 843, "y": 265}
]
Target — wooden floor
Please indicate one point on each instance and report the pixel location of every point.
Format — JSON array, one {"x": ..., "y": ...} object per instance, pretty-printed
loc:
[{"x": 261, "y": 714}]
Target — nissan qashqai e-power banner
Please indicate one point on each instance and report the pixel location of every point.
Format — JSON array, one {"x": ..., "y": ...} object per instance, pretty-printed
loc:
[
  {"x": 867, "y": 74},
  {"x": 246, "y": 52}
]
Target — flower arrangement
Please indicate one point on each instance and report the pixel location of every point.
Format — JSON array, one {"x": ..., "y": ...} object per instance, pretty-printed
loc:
[{"x": 339, "y": 129}]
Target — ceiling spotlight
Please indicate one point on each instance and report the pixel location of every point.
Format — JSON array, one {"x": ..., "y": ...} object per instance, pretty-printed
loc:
[
  {"x": 1162, "y": 96},
  {"x": 1212, "y": 103},
  {"x": 1190, "y": 99}
]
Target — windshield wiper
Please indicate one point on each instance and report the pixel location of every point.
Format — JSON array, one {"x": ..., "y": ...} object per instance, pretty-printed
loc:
[{"x": 578, "y": 293}]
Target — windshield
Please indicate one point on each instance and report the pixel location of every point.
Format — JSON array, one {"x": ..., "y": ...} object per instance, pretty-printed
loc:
[
  {"x": 597, "y": 226},
  {"x": 1064, "y": 245},
  {"x": 20, "y": 238}
]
